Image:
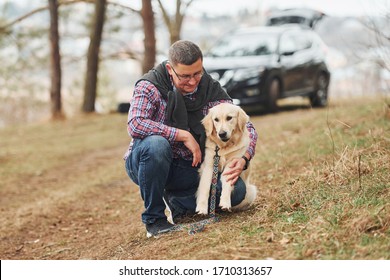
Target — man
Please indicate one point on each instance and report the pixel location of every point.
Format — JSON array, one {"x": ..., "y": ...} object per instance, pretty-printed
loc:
[{"x": 164, "y": 121}]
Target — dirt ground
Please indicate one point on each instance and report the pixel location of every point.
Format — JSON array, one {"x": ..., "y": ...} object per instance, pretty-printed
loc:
[
  {"x": 85, "y": 207},
  {"x": 47, "y": 217}
]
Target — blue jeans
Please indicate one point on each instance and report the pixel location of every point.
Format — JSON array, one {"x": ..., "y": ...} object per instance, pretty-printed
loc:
[{"x": 151, "y": 166}]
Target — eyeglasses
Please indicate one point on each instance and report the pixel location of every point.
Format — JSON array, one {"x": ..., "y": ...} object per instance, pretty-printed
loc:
[{"x": 187, "y": 78}]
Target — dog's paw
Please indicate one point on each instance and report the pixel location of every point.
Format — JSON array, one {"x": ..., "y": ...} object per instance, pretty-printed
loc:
[
  {"x": 225, "y": 205},
  {"x": 225, "y": 202},
  {"x": 202, "y": 208}
]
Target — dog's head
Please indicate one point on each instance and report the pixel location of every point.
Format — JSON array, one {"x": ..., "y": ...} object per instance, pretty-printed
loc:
[{"x": 224, "y": 122}]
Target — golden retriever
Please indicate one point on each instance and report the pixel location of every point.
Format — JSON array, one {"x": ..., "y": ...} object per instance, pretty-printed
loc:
[{"x": 225, "y": 126}]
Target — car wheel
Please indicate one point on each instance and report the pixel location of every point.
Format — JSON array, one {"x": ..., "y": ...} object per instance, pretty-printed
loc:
[
  {"x": 319, "y": 98},
  {"x": 123, "y": 107},
  {"x": 273, "y": 95}
]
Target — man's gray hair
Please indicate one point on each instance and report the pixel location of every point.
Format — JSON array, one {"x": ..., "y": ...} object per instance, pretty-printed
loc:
[{"x": 184, "y": 52}]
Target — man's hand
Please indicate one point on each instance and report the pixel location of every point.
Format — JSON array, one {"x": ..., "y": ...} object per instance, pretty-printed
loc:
[
  {"x": 235, "y": 168},
  {"x": 190, "y": 142}
]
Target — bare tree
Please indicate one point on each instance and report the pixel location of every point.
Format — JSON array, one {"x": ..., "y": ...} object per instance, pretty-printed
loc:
[
  {"x": 378, "y": 51},
  {"x": 150, "y": 38},
  {"x": 174, "y": 24},
  {"x": 55, "y": 56},
  {"x": 6, "y": 26},
  {"x": 55, "y": 62},
  {"x": 382, "y": 36},
  {"x": 91, "y": 78},
  {"x": 93, "y": 57}
]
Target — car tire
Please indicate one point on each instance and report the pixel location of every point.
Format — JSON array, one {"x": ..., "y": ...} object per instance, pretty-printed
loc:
[
  {"x": 273, "y": 94},
  {"x": 319, "y": 98},
  {"x": 123, "y": 107}
]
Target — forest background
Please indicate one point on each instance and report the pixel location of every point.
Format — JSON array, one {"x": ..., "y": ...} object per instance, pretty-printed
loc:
[{"x": 60, "y": 58}]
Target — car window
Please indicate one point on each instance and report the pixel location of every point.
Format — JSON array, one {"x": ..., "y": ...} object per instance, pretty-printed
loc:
[
  {"x": 287, "y": 19},
  {"x": 246, "y": 44}
]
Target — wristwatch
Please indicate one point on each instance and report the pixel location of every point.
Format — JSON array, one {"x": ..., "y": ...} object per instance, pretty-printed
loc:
[{"x": 246, "y": 162}]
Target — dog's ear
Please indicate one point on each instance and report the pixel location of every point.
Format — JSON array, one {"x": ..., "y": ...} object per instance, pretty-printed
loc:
[
  {"x": 243, "y": 118},
  {"x": 208, "y": 124}
]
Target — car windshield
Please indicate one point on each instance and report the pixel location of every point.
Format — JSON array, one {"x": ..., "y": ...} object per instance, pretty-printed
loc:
[
  {"x": 245, "y": 44},
  {"x": 287, "y": 19}
]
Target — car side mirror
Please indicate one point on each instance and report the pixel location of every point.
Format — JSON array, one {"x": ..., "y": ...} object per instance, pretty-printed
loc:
[{"x": 287, "y": 53}]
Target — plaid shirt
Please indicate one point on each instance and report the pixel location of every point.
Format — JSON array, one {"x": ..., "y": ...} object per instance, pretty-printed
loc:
[{"x": 148, "y": 116}]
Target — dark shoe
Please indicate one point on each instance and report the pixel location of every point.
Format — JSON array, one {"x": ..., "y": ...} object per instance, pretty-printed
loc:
[{"x": 160, "y": 226}]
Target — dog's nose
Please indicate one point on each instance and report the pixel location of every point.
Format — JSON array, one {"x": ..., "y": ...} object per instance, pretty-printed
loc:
[{"x": 222, "y": 134}]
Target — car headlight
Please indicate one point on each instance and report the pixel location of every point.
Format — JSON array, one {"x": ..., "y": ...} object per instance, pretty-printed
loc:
[
  {"x": 214, "y": 75},
  {"x": 237, "y": 75},
  {"x": 226, "y": 77},
  {"x": 247, "y": 73}
]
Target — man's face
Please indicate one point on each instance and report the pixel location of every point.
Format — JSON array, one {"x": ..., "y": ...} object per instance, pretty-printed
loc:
[{"x": 186, "y": 77}]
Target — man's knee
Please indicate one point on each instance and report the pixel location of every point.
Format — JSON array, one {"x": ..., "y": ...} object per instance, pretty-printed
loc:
[
  {"x": 156, "y": 147},
  {"x": 239, "y": 192}
]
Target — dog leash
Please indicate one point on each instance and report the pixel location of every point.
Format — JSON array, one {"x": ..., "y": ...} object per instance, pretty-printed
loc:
[{"x": 199, "y": 226}]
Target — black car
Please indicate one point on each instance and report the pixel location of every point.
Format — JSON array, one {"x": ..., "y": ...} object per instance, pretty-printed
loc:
[{"x": 259, "y": 65}]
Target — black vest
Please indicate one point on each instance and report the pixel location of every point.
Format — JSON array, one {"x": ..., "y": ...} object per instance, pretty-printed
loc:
[{"x": 182, "y": 112}]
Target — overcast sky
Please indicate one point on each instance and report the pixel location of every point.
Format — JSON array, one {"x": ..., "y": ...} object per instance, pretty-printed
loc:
[{"x": 330, "y": 7}]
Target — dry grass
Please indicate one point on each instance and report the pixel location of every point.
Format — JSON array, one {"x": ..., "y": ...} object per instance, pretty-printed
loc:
[{"x": 323, "y": 179}]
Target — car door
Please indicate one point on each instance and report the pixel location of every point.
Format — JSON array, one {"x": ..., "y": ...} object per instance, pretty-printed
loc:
[
  {"x": 307, "y": 57},
  {"x": 287, "y": 49},
  {"x": 296, "y": 58}
]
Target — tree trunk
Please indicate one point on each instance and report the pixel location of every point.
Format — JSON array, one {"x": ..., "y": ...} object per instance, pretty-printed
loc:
[
  {"x": 174, "y": 24},
  {"x": 174, "y": 35},
  {"x": 177, "y": 23},
  {"x": 150, "y": 38},
  {"x": 91, "y": 79},
  {"x": 55, "y": 63}
]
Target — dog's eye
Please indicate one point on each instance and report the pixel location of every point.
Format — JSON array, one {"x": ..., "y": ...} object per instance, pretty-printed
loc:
[
  {"x": 216, "y": 119},
  {"x": 229, "y": 118}
]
